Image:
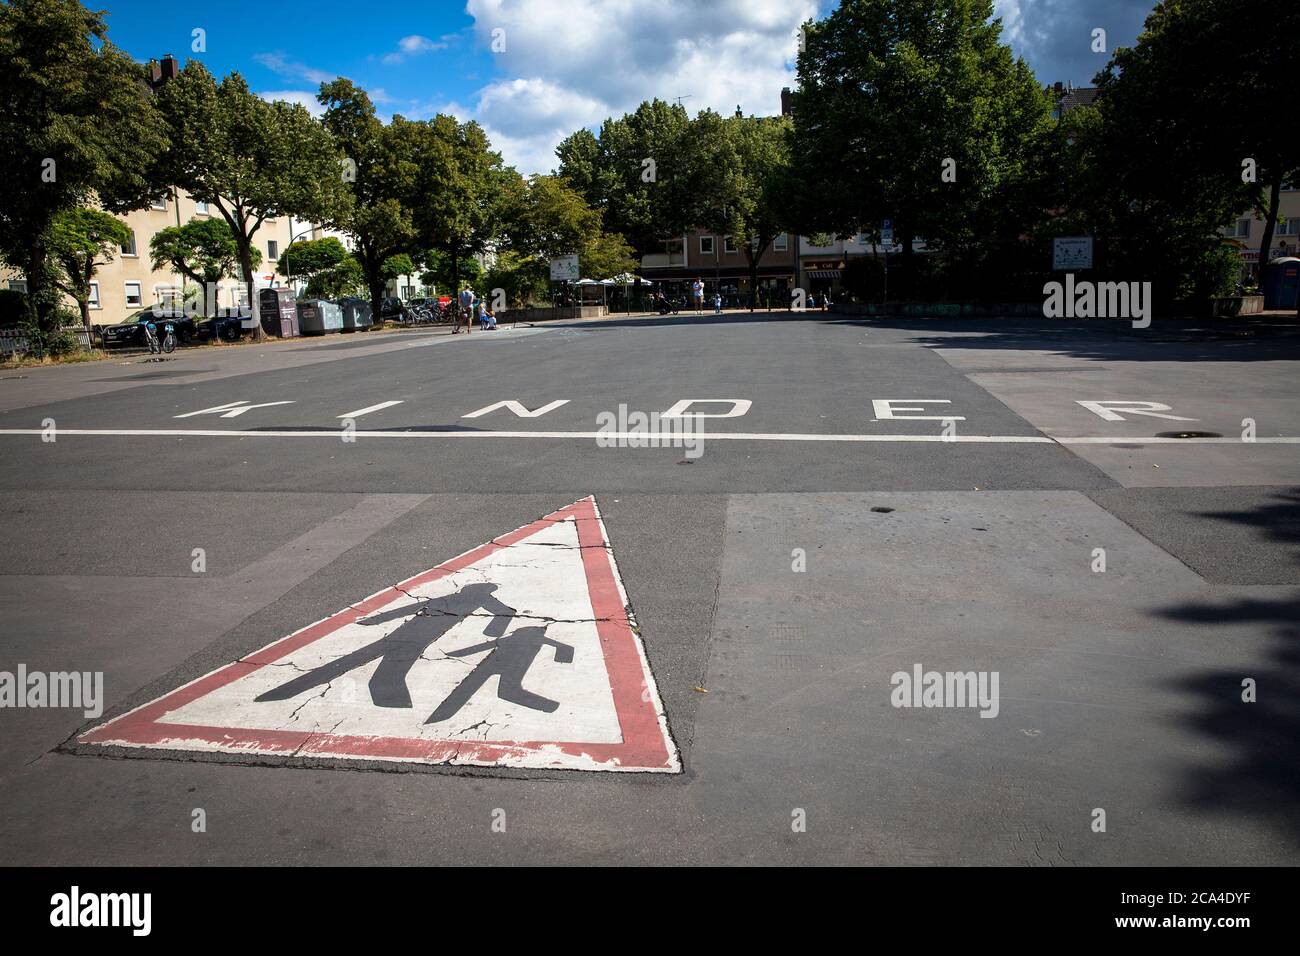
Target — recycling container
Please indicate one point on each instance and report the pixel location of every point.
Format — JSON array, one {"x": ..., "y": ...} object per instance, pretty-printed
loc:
[
  {"x": 356, "y": 313},
  {"x": 279, "y": 312},
  {"x": 318, "y": 316}
]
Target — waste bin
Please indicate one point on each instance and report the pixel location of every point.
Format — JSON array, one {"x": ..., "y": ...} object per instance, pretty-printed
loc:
[
  {"x": 1282, "y": 283},
  {"x": 279, "y": 312},
  {"x": 318, "y": 316},
  {"x": 356, "y": 313}
]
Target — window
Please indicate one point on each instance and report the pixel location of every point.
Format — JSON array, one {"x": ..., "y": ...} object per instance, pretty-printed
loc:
[
  {"x": 201, "y": 208},
  {"x": 781, "y": 243},
  {"x": 159, "y": 204},
  {"x": 133, "y": 295},
  {"x": 1290, "y": 227},
  {"x": 128, "y": 247},
  {"x": 728, "y": 245},
  {"x": 706, "y": 245},
  {"x": 1243, "y": 229},
  {"x": 17, "y": 285},
  {"x": 272, "y": 250},
  {"x": 93, "y": 301}
]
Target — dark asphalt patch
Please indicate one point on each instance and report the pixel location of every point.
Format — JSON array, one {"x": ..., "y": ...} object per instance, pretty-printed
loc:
[{"x": 1233, "y": 535}]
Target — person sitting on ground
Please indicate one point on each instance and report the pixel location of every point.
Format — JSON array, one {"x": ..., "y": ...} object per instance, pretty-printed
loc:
[{"x": 487, "y": 321}]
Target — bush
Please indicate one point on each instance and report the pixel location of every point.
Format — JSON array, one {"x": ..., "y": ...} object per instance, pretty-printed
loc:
[{"x": 60, "y": 341}]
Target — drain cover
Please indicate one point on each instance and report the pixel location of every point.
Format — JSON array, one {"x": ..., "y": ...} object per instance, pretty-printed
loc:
[{"x": 1189, "y": 435}]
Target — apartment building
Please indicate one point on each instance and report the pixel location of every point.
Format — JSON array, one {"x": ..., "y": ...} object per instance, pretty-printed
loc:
[
  {"x": 129, "y": 282},
  {"x": 721, "y": 265},
  {"x": 1247, "y": 232}
]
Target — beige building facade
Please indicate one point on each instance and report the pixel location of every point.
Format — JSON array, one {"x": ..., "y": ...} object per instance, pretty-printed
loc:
[
  {"x": 129, "y": 282},
  {"x": 1248, "y": 231}
]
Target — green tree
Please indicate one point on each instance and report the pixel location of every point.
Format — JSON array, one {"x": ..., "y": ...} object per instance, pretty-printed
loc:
[
  {"x": 644, "y": 173},
  {"x": 202, "y": 250},
  {"x": 549, "y": 219},
  {"x": 76, "y": 129},
  {"x": 1173, "y": 138},
  {"x": 914, "y": 111},
  {"x": 80, "y": 241},
  {"x": 465, "y": 191},
  {"x": 440, "y": 272},
  {"x": 607, "y": 255},
  {"x": 249, "y": 159},
  {"x": 344, "y": 279},
  {"x": 308, "y": 259},
  {"x": 522, "y": 279},
  {"x": 756, "y": 191},
  {"x": 383, "y": 163}
]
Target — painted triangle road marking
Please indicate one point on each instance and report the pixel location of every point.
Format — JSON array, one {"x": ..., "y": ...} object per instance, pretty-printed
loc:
[{"x": 519, "y": 653}]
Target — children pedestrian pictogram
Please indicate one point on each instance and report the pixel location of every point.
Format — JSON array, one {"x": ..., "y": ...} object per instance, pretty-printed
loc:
[{"x": 521, "y": 652}]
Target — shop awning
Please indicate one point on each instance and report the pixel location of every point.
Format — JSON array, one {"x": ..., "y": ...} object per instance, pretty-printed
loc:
[{"x": 824, "y": 274}]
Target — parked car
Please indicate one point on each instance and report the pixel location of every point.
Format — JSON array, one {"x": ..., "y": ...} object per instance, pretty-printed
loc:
[
  {"x": 391, "y": 309},
  {"x": 130, "y": 331},
  {"x": 228, "y": 328}
]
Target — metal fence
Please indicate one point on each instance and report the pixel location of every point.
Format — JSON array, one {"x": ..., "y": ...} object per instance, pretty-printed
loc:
[{"x": 14, "y": 342}]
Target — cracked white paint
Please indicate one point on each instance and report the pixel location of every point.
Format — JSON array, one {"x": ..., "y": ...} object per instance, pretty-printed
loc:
[
  {"x": 609, "y": 716},
  {"x": 541, "y": 583}
]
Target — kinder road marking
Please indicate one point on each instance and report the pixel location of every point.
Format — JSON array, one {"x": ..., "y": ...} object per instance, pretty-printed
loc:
[
  {"x": 615, "y": 436},
  {"x": 370, "y": 408},
  {"x": 519, "y": 653}
]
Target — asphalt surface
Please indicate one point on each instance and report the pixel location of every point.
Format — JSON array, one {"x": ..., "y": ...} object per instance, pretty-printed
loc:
[{"x": 814, "y": 549}]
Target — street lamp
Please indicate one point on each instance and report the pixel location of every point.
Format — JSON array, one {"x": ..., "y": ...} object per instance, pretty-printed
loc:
[{"x": 285, "y": 255}]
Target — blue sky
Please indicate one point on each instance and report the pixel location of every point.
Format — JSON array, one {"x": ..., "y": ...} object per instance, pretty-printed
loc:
[{"x": 558, "y": 64}]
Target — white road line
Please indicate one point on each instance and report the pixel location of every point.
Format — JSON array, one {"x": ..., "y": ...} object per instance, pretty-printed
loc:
[
  {"x": 641, "y": 436},
  {"x": 369, "y": 408}
]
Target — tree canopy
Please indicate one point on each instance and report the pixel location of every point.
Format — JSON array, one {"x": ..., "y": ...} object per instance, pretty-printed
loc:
[
  {"x": 76, "y": 129},
  {"x": 249, "y": 159}
]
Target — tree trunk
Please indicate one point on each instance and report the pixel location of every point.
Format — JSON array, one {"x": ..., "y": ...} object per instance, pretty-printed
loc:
[
  {"x": 1270, "y": 221},
  {"x": 246, "y": 263},
  {"x": 40, "y": 303},
  {"x": 83, "y": 300},
  {"x": 452, "y": 250},
  {"x": 753, "y": 277},
  {"x": 375, "y": 285}
]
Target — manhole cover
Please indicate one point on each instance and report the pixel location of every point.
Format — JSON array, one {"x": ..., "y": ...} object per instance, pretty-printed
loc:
[{"x": 1189, "y": 435}]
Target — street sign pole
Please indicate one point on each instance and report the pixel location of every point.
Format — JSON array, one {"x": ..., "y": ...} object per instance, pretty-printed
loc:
[{"x": 886, "y": 240}]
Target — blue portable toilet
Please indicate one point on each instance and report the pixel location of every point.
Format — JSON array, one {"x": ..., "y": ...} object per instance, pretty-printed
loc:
[{"x": 1282, "y": 283}]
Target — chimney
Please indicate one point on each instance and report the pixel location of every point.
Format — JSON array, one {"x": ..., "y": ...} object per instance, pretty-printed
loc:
[
  {"x": 169, "y": 67},
  {"x": 786, "y": 98}
]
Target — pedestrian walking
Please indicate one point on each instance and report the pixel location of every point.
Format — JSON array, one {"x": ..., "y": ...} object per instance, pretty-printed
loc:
[
  {"x": 697, "y": 290},
  {"x": 467, "y": 307}
]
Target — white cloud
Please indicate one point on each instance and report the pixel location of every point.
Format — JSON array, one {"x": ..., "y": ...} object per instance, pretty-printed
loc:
[
  {"x": 295, "y": 96},
  {"x": 413, "y": 45},
  {"x": 278, "y": 63},
  {"x": 571, "y": 63}
]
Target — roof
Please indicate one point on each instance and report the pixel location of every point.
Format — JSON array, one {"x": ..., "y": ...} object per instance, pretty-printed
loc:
[{"x": 1069, "y": 97}]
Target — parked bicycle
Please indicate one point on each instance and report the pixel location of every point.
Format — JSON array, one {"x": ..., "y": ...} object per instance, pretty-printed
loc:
[{"x": 168, "y": 343}]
